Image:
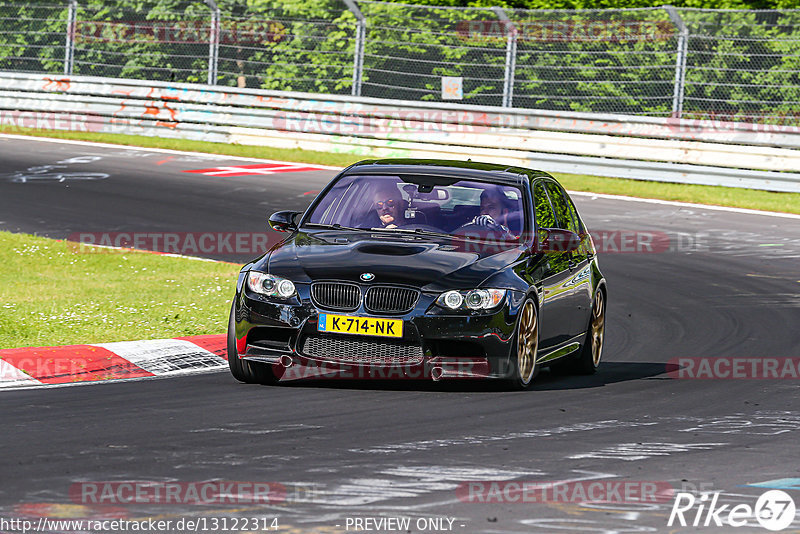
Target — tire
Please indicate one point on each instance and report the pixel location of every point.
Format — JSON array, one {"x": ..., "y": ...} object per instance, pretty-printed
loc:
[
  {"x": 244, "y": 371},
  {"x": 588, "y": 360},
  {"x": 525, "y": 348}
]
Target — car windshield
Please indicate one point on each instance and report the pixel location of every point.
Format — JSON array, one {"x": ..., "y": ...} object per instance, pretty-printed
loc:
[{"x": 422, "y": 204}]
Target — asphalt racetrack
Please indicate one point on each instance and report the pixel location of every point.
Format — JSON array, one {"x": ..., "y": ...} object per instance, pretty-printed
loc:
[{"x": 719, "y": 284}]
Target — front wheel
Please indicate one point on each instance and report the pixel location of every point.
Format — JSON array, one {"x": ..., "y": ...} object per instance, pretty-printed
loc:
[
  {"x": 526, "y": 347},
  {"x": 242, "y": 370}
]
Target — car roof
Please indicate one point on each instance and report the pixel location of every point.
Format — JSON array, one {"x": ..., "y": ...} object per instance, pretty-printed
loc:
[{"x": 490, "y": 172}]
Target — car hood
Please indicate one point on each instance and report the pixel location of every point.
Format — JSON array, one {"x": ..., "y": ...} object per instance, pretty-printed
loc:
[{"x": 429, "y": 263}]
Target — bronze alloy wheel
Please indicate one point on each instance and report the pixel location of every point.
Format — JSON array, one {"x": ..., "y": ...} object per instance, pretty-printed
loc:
[
  {"x": 598, "y": 327},
  {"x": 527, "y": 343},
  {"x": 587, "y": 361}
]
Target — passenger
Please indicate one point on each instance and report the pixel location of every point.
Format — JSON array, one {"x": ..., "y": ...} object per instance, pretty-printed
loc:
[
  {"x": 494, "y": 211},
  {"x": 390, "y": 206}
]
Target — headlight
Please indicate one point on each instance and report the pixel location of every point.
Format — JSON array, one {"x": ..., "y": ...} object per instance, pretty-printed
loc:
[
  {"x": 451, "y": 299},
  {"x": 270, "y": 285},
  {"x": 476, "y": 299}
]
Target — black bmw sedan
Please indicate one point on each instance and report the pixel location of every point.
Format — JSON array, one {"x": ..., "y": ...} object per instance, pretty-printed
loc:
[{"x": 423, "y": 269}]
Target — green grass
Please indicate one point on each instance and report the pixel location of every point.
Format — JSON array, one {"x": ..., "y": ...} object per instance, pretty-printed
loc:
[
  {"x": 51, "y": 294},
  {"x": 700, "y": 194}
]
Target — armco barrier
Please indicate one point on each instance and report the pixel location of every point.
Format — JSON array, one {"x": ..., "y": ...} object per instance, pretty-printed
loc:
[{"x": 647, "y": 148}]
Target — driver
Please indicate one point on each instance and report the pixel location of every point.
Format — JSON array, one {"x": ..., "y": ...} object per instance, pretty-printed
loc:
[
  {"x": 390, "y": 206},
  {"x": 494, "y": 211}
]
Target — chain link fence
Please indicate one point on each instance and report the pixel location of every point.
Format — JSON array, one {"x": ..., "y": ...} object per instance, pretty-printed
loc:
[{"x": 679, "y": 62}]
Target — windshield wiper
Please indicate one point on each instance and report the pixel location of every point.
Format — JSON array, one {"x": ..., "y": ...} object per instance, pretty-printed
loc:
[
  {"x": 335, "y": 226},
  {"x": 417, "y": 231}
]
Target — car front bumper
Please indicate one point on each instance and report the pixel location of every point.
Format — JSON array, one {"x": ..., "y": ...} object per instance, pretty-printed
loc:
[{"x": 435, "y": 344}]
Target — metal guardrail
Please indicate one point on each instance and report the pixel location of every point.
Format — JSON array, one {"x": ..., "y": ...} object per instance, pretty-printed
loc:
[{"x": 645, "y": 148}]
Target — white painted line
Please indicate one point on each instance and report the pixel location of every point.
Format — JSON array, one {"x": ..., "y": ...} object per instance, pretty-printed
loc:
[
  {"x": 162, "y": 150},
  {"x": 687, "y": 205}
]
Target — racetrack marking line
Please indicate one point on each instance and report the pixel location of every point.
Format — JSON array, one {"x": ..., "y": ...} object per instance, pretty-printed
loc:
[
  {"x": 418, "y": 446},
  {"x": 686, "y": 204},
  {"x": 630, "y": 452},
  {"x": 582, "y": 475},
  {"x": 334, "y": 168},
  {"x": 286, "y": 427},
  {"x": 756, "y": 275},
  {"x": 758, "y": 424},
  {"x": 161, "y": 150},
  {"x": 103, "y": 362},
  {"x": 253, "y": 170},
  {"x": 409, "y": 483}
]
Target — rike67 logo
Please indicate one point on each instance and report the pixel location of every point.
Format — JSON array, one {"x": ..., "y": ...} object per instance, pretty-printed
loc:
[{"x": 774, "y": 510}]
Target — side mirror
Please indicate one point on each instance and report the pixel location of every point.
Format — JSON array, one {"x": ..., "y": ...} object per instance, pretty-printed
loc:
[
  {"x": 555, "y": 240},
  {"x": 283, "y": 221}
]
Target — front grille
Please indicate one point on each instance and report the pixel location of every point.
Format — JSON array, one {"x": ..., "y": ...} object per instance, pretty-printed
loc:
[
  {"x": 389, "y": 299},
  {"x": 336, "y": 295},
  {"x": 348, "y": 350}
]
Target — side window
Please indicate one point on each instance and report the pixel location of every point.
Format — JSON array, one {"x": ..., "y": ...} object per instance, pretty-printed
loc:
[
  {"x": 565, "y": 219},
  {"x": 578, "y": 224},
  {"x": 544, "y": 211}
]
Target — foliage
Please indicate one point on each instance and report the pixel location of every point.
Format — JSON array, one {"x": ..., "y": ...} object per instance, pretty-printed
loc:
[{"x": 741, "y": 65}]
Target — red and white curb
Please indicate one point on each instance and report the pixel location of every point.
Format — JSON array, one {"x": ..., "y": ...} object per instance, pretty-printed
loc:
[{"x": 103, "y": 362}]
